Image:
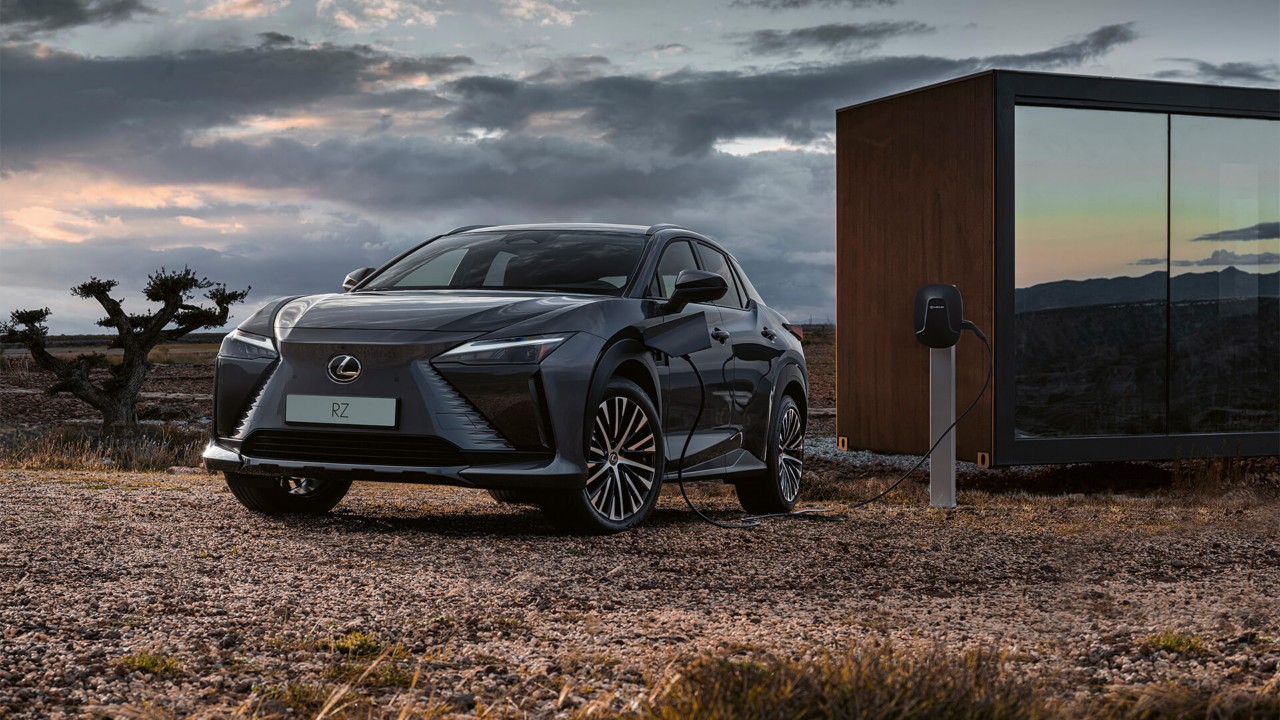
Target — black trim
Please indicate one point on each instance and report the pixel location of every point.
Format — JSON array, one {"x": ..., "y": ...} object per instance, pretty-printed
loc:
[
  {"x": 1074, "y": 91},
  {"x": 352, "y": 448}
]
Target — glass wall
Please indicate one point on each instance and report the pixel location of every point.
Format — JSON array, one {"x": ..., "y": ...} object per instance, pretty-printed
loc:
[
  {"x": 1224, "y": 258},
  {"x": 1147, "y": 273},
  {"x": 1091, "y": 204}
]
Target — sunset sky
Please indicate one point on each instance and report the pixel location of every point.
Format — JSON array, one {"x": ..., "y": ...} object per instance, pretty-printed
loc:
[{"x": 281, "y": 143}]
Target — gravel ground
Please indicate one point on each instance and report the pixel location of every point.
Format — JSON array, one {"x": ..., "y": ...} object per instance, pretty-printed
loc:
[{"x": 504, "y": 618}]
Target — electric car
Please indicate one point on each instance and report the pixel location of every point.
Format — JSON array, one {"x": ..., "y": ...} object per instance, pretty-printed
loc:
[{"x": 572, "y": 366}]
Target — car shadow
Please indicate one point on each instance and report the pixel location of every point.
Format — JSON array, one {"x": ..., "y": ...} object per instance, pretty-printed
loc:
[{"x": 516, "y": 523}]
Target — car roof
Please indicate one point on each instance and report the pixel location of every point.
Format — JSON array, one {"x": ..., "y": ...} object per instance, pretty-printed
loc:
[
  {"x": 658, "y": 232},
  {"x": 600, "y": 227}
]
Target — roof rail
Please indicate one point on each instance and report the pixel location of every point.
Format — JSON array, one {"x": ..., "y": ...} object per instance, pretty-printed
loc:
[
  {"x": 465, "y": 228},
  {"x": 662, "y": 226}
]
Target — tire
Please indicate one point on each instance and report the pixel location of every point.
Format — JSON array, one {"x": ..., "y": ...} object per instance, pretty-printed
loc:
[
  {"x": 517, "y": 496},
  {"x": 622, "y": 483},
  {"x": 776, "y": 490},
  {"x": 286, "y": 496}
]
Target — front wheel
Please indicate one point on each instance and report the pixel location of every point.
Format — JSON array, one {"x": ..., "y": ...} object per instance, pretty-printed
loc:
[
  {"x": 776, "y": 490},
  {"x": 286, "y": 495},
  {"x": 624, "y": 466}
]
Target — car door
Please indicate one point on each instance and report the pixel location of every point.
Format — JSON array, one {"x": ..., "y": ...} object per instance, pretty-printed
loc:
[
  {"x": 715, "y": 433},
  {"x": 754, "y": 348}
]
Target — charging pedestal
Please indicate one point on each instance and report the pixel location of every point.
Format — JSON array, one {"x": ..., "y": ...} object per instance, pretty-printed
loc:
[{"x": 942, "y": 413}]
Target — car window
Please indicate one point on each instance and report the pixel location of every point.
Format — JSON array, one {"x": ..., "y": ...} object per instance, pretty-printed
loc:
[
  {"x": 437, "y": 271},
  {"x": 717, "y": 263},
  {"x": 549, "y": 260},
  {"x": 676, "y": 257},
  {"x": 748, "y": 290}
]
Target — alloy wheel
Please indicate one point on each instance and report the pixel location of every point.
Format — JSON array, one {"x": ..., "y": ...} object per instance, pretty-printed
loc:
[
  {"x": 620, "y": 459},
  {"x": 790, "y": 453}
]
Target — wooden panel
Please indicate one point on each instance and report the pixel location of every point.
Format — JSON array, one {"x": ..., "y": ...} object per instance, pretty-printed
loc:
[{"x": 914, "y": 205}]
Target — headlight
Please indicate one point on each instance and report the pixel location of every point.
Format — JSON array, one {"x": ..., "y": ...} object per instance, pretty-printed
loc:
[
  {"x": 507, "y": 351},
  {"x": 289, "y": 315},
  {"x": 238, "y": 344}
]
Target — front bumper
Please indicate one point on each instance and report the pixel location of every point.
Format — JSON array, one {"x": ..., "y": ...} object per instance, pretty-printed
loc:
[
  {"x": 497, "y": 428},
  {"x": 554, "y": 473}
]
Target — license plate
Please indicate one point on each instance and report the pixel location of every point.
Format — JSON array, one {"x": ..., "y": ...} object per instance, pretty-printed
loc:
[{"x": 332, "y": 410}]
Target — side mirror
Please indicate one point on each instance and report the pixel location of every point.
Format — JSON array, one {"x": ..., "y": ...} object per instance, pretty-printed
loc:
[
  {"x": 354, "y": 277},
  {"x": 696, "y": 286}
]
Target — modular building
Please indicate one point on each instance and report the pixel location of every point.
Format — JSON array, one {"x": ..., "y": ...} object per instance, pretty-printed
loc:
[{"x": 1118, "y": 240}]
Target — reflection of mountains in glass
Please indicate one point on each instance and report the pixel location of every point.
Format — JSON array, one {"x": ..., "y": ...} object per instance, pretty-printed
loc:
[
  {"x": 1092, "y": 357},
  {"x": 1228, "y": 283}
]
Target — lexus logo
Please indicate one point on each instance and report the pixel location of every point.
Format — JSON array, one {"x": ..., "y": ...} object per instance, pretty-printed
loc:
[{"x": 343, "y": 368}]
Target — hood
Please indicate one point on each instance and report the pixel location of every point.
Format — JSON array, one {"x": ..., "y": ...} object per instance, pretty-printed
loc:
[{"x": 444, "y": 310}]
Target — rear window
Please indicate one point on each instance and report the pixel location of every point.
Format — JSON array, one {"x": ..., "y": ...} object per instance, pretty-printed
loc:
[{"x": 551, "y": 260}]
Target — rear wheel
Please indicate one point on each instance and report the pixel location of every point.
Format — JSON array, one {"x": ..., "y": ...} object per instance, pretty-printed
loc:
[
  {"x": 624, "y": 466},
  {"x": 286, "y": 495},
  {"x": 776, "y": 490}
]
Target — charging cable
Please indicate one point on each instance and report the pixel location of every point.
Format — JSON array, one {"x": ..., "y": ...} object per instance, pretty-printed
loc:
[
  {"x": 754, "y": 520},
  {"x": 746, "y": 522},
  {"x": 966, "y": 325},
  {"x": 702, "y": 401}
]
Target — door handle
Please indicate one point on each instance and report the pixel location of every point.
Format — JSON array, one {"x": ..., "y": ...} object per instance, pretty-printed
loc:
[
  {"x": 769, "y": 333},
  {"x": 720, "y": 335}
]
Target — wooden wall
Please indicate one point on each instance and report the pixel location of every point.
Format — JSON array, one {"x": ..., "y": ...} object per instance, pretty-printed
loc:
[{"x": 914, "y": 205}]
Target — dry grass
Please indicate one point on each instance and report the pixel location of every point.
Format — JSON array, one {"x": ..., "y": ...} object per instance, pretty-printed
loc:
[
  {"x": 884, "y": 681},
  {"x": 1172, "y": 701},
  {"x": 150, "y": 662},
  {"x": 1176, "y": 642},
  {"x": 871, "y": 682},
  {"x": 150, "y": 448}
]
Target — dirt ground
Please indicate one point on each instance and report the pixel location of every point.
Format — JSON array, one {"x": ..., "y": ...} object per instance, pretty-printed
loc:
[
  {"x": 157, "y": 595},
  {"x": 504, "y": 618}
]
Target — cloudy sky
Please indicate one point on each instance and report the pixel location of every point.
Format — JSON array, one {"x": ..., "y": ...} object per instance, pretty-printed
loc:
[{"x": 281, "y": 143}]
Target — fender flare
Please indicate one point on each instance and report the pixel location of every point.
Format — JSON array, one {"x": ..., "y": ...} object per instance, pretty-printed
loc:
[
  {"x": 789, "y": 371},
  {"x": 611, "y": 358}
]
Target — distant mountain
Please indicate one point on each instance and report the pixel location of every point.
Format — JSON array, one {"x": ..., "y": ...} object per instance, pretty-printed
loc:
[{"x": 1228, "y": 283}]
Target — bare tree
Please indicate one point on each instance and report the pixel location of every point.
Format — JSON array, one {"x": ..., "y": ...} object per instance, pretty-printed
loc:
[{"x": 116, "y": 396}]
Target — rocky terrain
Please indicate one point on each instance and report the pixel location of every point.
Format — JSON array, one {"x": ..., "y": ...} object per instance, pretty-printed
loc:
[{"x": 158, "y": 595}]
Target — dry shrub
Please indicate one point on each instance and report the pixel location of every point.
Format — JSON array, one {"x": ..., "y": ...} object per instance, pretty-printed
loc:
[
  {"x": 1172, "y": 701},
  {"x": 882, "y": 682},
  {"x": 872, "y": 681},
  {"x": 149, "y": 448}
]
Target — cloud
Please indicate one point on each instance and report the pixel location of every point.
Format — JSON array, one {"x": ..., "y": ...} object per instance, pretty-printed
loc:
[
  {"x": 371, "y": 14},
  {"x": 275, "y": 38},
  {"x": 1230, "y": 72},
  {"x": 1076, "y": 51},
  {"x": 73, "y": 226},
  {"x": 829, "y": 37},
  {"x": 572, "y": 68},
  {"x": 53, "y": 103},
  {"x": 542, "y": 12},
  {"x": 24, "y": 18},
  {"x": 671, "y": 49},
  {"x": 202, "y": 224},
  {"x": 227, "y": 9},
  {"x": 582, "y": 142},
  {"x": 1261, "y": 231},
  {"x": 1218, "y": 258},
  {"x": 802, "y": 4},
  {"x": 689, "y": 111},
  {"x": 401, "y": 189}
]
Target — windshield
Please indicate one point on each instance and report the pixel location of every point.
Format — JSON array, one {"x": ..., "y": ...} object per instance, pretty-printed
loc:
[{"x": 556, "y": 260}]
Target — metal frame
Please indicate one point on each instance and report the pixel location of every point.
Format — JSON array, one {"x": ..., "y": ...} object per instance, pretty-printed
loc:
[{"x": 1071, "y": 91}]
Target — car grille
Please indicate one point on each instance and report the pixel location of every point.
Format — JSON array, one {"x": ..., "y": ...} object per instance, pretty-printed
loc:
[{"x": 352, "y": 448}]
